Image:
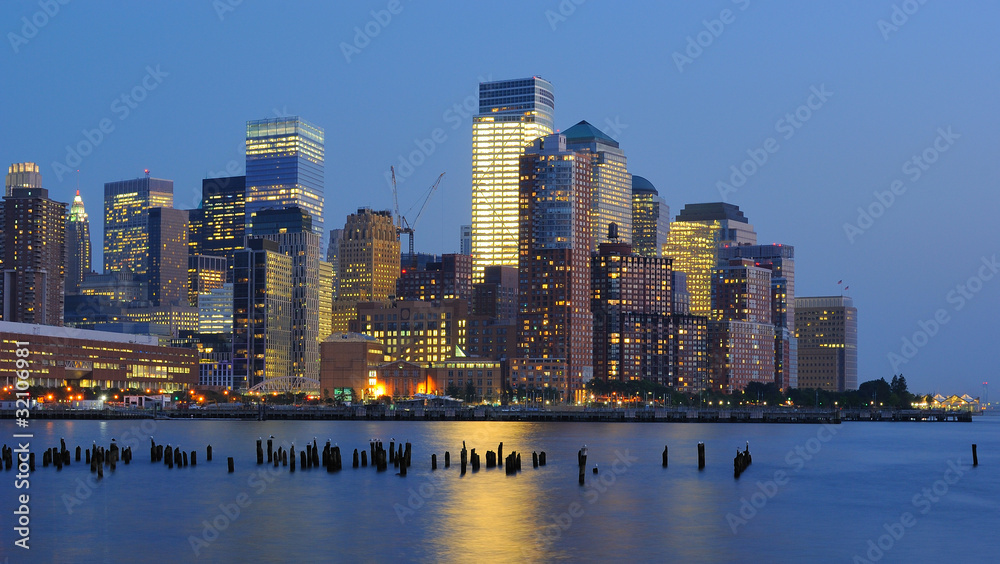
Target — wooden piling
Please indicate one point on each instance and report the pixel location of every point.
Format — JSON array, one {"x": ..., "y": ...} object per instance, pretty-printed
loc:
[
  {"x": 541, "y": 458},
  {"x": 364, "y": 459},
  {"x": 447, "y": 459},
  {"x": 270, "y": 454},
  {"x": 208, "y": 453},
  {"x": 701, "y": 455},
  {"x": 581, "y": 457},
  {"x": 975, "y": 457},
  {"x": 260, "y": 452},
  {"x": 500, "y": 452},
  {"x": 664, "y": 456},
  {"x": 31, "y": 462},
  {"x": 434, "y": 462},
  {"x": 534, "y": 459},
  {"x": 231, "y": 465},
  {"x": 78, "y": 453},
  {"x": 194, "y": 458}
]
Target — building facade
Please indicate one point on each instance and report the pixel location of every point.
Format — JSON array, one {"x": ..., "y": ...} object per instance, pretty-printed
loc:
[
  {"x": 450, "y": 278},
  {"x": 262, "y": 314},
  {"x": 78, "y": 245},
  {"x": 741, "y": 333},
  {"x": 285, "y": 167},
  {"x": 223, "y": 203},
  {"x": 512, "y": 114},
  {"x": 368, "y": 263},
  {"x": 555, "y": 320},
  {"x": 33, "y": 250},
  {"x": 415, "y": 331},
  {"x": 126, "y": 220},
  {"x": 650, "y": 219},
  {"x": 827, "y": 332},
  {"x": 167, "y": 273},
  {"x": 22, "y": 175},
  {"x": 610, "y": 185}
]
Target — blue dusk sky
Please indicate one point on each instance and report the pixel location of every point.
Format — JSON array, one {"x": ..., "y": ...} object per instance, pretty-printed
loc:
[{"x": 872, "y": 123}]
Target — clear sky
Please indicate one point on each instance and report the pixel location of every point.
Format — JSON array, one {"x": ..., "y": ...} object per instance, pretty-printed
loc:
[{"x": 173, "y": 84}]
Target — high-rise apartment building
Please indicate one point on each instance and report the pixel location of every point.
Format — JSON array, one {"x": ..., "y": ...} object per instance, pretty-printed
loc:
[
  {"x": 215, "y": 310},
  {"x": 291, "y": 228},
  {"x": 610, "y": 186},
  {"x": 465, "y": 239},
  {"x": 126, "y": 220},
  {"x": 205, "y": 273},
  {"x": 694, "y": 241},
  {"x": 780, "y": 260},
  {"x": 631, "y": 302},
  {"x": 496, "y": 296},
  {"x": 827, "y": 331},
  {"x": 650, "y": 219},
  {"x": 223, "y": 201},
  {"x": 555, "y": 320},
  {"x": 22, "y": 175},
  {"x": 449, "y": 278},
  {"x": 78, "y": 245},
  {"x": 512, "y": 114},
  {"x": 332, "y": 251},
  {"x": 262, "y": 314},
  {"x": 167, "y": 274},
  {"x": 33, "y": 247},
  {"x": 368, "y": 263},
  {"x": 285, "y": 160},
  {"x": 741, "y": 332}
]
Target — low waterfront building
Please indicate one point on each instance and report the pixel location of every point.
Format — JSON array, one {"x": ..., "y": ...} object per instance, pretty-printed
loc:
[{"x": 62, "y": 356}]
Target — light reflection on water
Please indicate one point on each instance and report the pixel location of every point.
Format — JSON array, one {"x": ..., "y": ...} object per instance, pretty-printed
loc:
[{"x": 862, "y": 477}]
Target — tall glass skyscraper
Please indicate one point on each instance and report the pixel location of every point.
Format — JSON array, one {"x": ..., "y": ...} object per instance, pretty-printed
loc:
[
  {"x": 512, "y": 114},
  {"x": 126, "y": 220},
  {"x": 285, "y": 167},
  {"x": 78, "y": 251},
  {"x": 650, "y": 218},
  {"x": 610, "y": 185}
]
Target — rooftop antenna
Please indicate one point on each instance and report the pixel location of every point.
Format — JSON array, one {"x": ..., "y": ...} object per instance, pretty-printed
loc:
[{"x": 147, "y": 172}]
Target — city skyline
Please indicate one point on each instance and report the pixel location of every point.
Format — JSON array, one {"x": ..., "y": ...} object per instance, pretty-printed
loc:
[{"x": 880, "y": 105}]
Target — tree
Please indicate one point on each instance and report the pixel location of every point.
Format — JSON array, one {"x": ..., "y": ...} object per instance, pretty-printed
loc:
[
  {"x": 898, "y": 385},
  {"x": 453, "y": 391},
  {"x": 470, "y": 392}
]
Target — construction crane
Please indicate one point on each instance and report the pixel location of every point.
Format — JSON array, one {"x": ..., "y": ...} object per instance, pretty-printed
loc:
[{"x": 402, "y": 224}]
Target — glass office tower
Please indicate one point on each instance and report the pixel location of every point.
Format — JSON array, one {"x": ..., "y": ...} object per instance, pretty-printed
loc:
[
  {"x": 512, "y": 114},
  {"x": 285, "y": 167},
  {"x": 126, "y": 220}
]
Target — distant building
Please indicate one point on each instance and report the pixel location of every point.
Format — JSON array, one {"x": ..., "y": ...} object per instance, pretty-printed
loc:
[
  {"x": 512, "y": 114},
  {"x": 85, "y": 359},
  {"x": 223, "y": 201},
  {"x": 167, "y": 273},
  {"x": 22, "y": 175},
  {"x": 610, "y": 185},
  {"x": 205, "y": 273},
  {"x": 78, "y": 246},
  {"x": 555, "y": 320},
  {"x": 450, "y": 278},
  {"x": 368, "y": 263},
  {"x": 33, "y": 251},
  {"x": 694, "y": 241},
  {"x": 126, "y": 220},
  {"x": 414, "y": 331},
  {"x": 285, "y": 167},
  {"x": 262, "y": 314},
  {"x": 496, "y": 295},
  {"x": 332, "y": 252},
  {"x": 827, "y": 332},
  {"x": 291, "y": 228},
  {"x": 650, "y": 219},
  {"x": 740, "y": 332},
  {"x": 215, "y": 310},
  {"x": 348, "y": 364},
  {"x": 465, "y": 239}
]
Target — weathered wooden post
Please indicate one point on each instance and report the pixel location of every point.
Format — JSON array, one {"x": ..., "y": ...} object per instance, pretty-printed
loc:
[
  {"x": 534, "y": 459},
  {"x": 581, "y": 458},
  {"x": 270, "y": 452},
  {"x": 975, "y": 457},
  {"x": 447, "y": 459},
  {"x": 364, "y": 459},
  {"x": 356, "y": 458},
  {"x": 231, "y": 465},
  {"x": 500, "y": 453},
  {"x": 664, "y": 456},
  {"x": 541, "y": 458},
  {"x": 434, "y": 462},
  {"x": 701, "y": 455},
  {"x": 78, "y": 453},
  {"x": 260, "y": 453},
  {"x": 208, "y": 453},
  {"x": 194, "y": 458}
]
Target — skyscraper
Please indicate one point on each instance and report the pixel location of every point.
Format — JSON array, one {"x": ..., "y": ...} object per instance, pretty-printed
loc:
[
  {"x": 285, "y": 167},
  {"x": 33, "y": 247},
  {"x": 631, "y": 301},
  {"x": 332, "y": 250},
  {"x": 512, "y": 114},
  {"x": 262, "y": 314},
  {"x": 650, "y": 219},
  {"x": 126, "y": 220},
  {"x": 741, "y": 332},
  {"x": 827, "y": 330},
  {"x": 694, "y": 241},
  {"x": 451, "y": 278},
  {"x": 167, "y": 275},
  {"x": 78, "y": 251},
  {"x": 610, "y": 188},
  {"x": 465, "y": 240},
  {"x": 205, "y": 273},
  {"x": 555, "y": 321},
  {"x": 780, "y": 260},
  {"x": 291, "y": 228},
  {"x": 224, "y": 222},
  {"x": 368, "y": 263},
  {"x": 22, "y": 175}
]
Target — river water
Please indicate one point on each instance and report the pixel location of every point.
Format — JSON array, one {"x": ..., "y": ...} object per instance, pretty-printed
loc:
[{"x": 855, "y": 492}]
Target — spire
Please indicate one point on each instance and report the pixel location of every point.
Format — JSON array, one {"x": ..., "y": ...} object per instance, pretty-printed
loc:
[{"x": 76, "y": 211}]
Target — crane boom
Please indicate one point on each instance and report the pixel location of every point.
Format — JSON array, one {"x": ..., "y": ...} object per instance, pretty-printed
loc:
[{"x": 427, "y": 199}]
